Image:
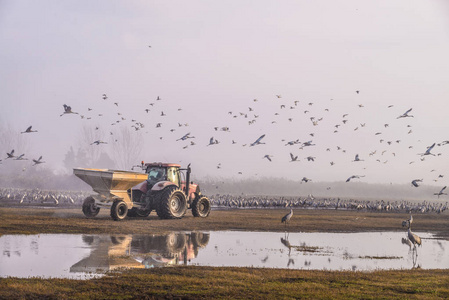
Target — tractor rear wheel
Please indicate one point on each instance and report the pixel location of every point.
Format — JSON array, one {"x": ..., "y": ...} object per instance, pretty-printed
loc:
[
  {"x": 174, "y": 244},
  {"x": 119, "y": 210},
  {"x": 201, "y": 207},
  {"x": 172, "y": 203},
  {"x": 90, "y": 210},
  {"x": 200, "y": 239}
]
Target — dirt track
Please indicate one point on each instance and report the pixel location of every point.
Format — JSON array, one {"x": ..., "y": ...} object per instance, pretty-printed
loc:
[{"x": 57, "y": 220}]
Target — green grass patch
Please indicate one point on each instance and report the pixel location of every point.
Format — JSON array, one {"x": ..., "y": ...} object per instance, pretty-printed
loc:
[{"x": 236, "y": 283}]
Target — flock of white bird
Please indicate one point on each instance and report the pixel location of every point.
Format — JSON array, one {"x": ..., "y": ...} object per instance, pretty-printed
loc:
[
  {"x": 39, "y": 196},
  {"x": 311, "y": 202},
  {"x": 42, "y": 197}
]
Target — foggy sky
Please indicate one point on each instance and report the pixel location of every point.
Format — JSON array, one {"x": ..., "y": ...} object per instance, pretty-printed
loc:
[{"x": 209, "y": 58}]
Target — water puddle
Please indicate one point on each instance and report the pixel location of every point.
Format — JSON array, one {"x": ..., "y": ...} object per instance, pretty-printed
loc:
[{"x": 88, "y": 256}]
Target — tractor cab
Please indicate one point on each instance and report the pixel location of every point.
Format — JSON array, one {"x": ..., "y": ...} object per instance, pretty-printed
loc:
[{"x": 162, "y": 172}]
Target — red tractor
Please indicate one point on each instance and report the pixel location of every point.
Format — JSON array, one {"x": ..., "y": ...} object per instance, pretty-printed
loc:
[
  {"x": 169, "y": 192},
  {"x": 163, "y": 188}
]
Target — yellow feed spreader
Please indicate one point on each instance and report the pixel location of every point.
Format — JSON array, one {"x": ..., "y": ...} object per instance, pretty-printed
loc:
[{"x": 111, "y": 185}]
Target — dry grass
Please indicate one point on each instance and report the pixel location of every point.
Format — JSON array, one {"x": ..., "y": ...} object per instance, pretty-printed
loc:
[{"x": 237, "y": 283}]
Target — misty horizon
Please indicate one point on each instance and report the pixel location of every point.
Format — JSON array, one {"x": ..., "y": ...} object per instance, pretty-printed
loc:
[{"x": 167, "y": 82}]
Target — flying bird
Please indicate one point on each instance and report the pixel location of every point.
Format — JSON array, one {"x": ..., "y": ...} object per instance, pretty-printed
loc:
[
  {"x": 405, "y": 115},
  {"x": 293, "y": 158},
  {"x": 415, "y": 182},
  {"x": 258, "y": 141},
  {"x": 305, "y": 179},
  {"x": 268, "y": 157},
  {"x": 354, "y": 177},
  {"x": 291, "y": 143},
  {"x": 28, "y": 130},
  {"x": 68, "y": 110},
  {"x": 428, "y": 150},
  {"x": 98, "y": 142},
  {"x": 38, "y": 161},
  {"x": 212, "y": 141},
  {"x": 21, "y": 157},
  {"x": 11, "y": 154},
  {"x": 185, "y": 137},
  {"x": 307, "y": 144},
  {"x": 357, "y": 158},
  {"x": 441, "y": 192}
]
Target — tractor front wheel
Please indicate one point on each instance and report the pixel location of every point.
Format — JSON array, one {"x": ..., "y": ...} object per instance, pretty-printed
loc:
[
  {"x": 119, "y": 210},
  {"x": 201, "y": 207},
  {"x": 90, "y": 210},
  {"x": 172, "y": 203}
]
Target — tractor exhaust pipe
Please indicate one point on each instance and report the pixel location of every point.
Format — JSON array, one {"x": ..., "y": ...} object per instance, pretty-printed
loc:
[{"x": 188, "y": 181}]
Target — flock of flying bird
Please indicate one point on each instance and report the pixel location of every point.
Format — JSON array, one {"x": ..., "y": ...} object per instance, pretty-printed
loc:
[{"x": 164, "y": 117}]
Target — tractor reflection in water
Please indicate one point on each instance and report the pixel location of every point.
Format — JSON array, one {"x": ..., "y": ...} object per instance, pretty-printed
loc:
[{"x": 139, "y": 251}]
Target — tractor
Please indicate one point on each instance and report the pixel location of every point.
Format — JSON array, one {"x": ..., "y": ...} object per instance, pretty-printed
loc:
[{"x": 163, "y": 188}]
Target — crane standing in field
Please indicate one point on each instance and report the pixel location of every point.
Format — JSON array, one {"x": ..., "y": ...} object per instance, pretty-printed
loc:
[
  {"x": 414, "y": 238},
  {"x": 287, "y": 217}
]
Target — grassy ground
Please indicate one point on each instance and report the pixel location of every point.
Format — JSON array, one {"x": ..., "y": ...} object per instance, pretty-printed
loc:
[
  {"x": 237, "y": 283},
  {"x": 205, "y": 282},
  {"x": 54, "y": 220}
]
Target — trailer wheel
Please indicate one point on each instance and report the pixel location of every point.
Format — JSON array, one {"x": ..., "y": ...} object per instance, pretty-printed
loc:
[
  {"x": 90, "y": 210},
  {"x": 201, "y": 207},
  {"x": 172, "y": 203},
  {"x": 119, "y": 210}
]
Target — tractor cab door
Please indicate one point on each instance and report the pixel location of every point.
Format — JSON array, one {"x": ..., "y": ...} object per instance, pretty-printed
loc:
[{"x": 173, "y": 175}]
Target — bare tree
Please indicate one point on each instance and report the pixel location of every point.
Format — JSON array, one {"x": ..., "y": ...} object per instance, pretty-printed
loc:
[
  {"x": 126, "y": 147},
  {"x": 88, "y": 135}
]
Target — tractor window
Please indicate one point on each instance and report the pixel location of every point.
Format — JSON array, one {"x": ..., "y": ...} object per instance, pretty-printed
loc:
[
  {"x": 156, "y": 174},
  {"x": 173, "y": 175}
]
